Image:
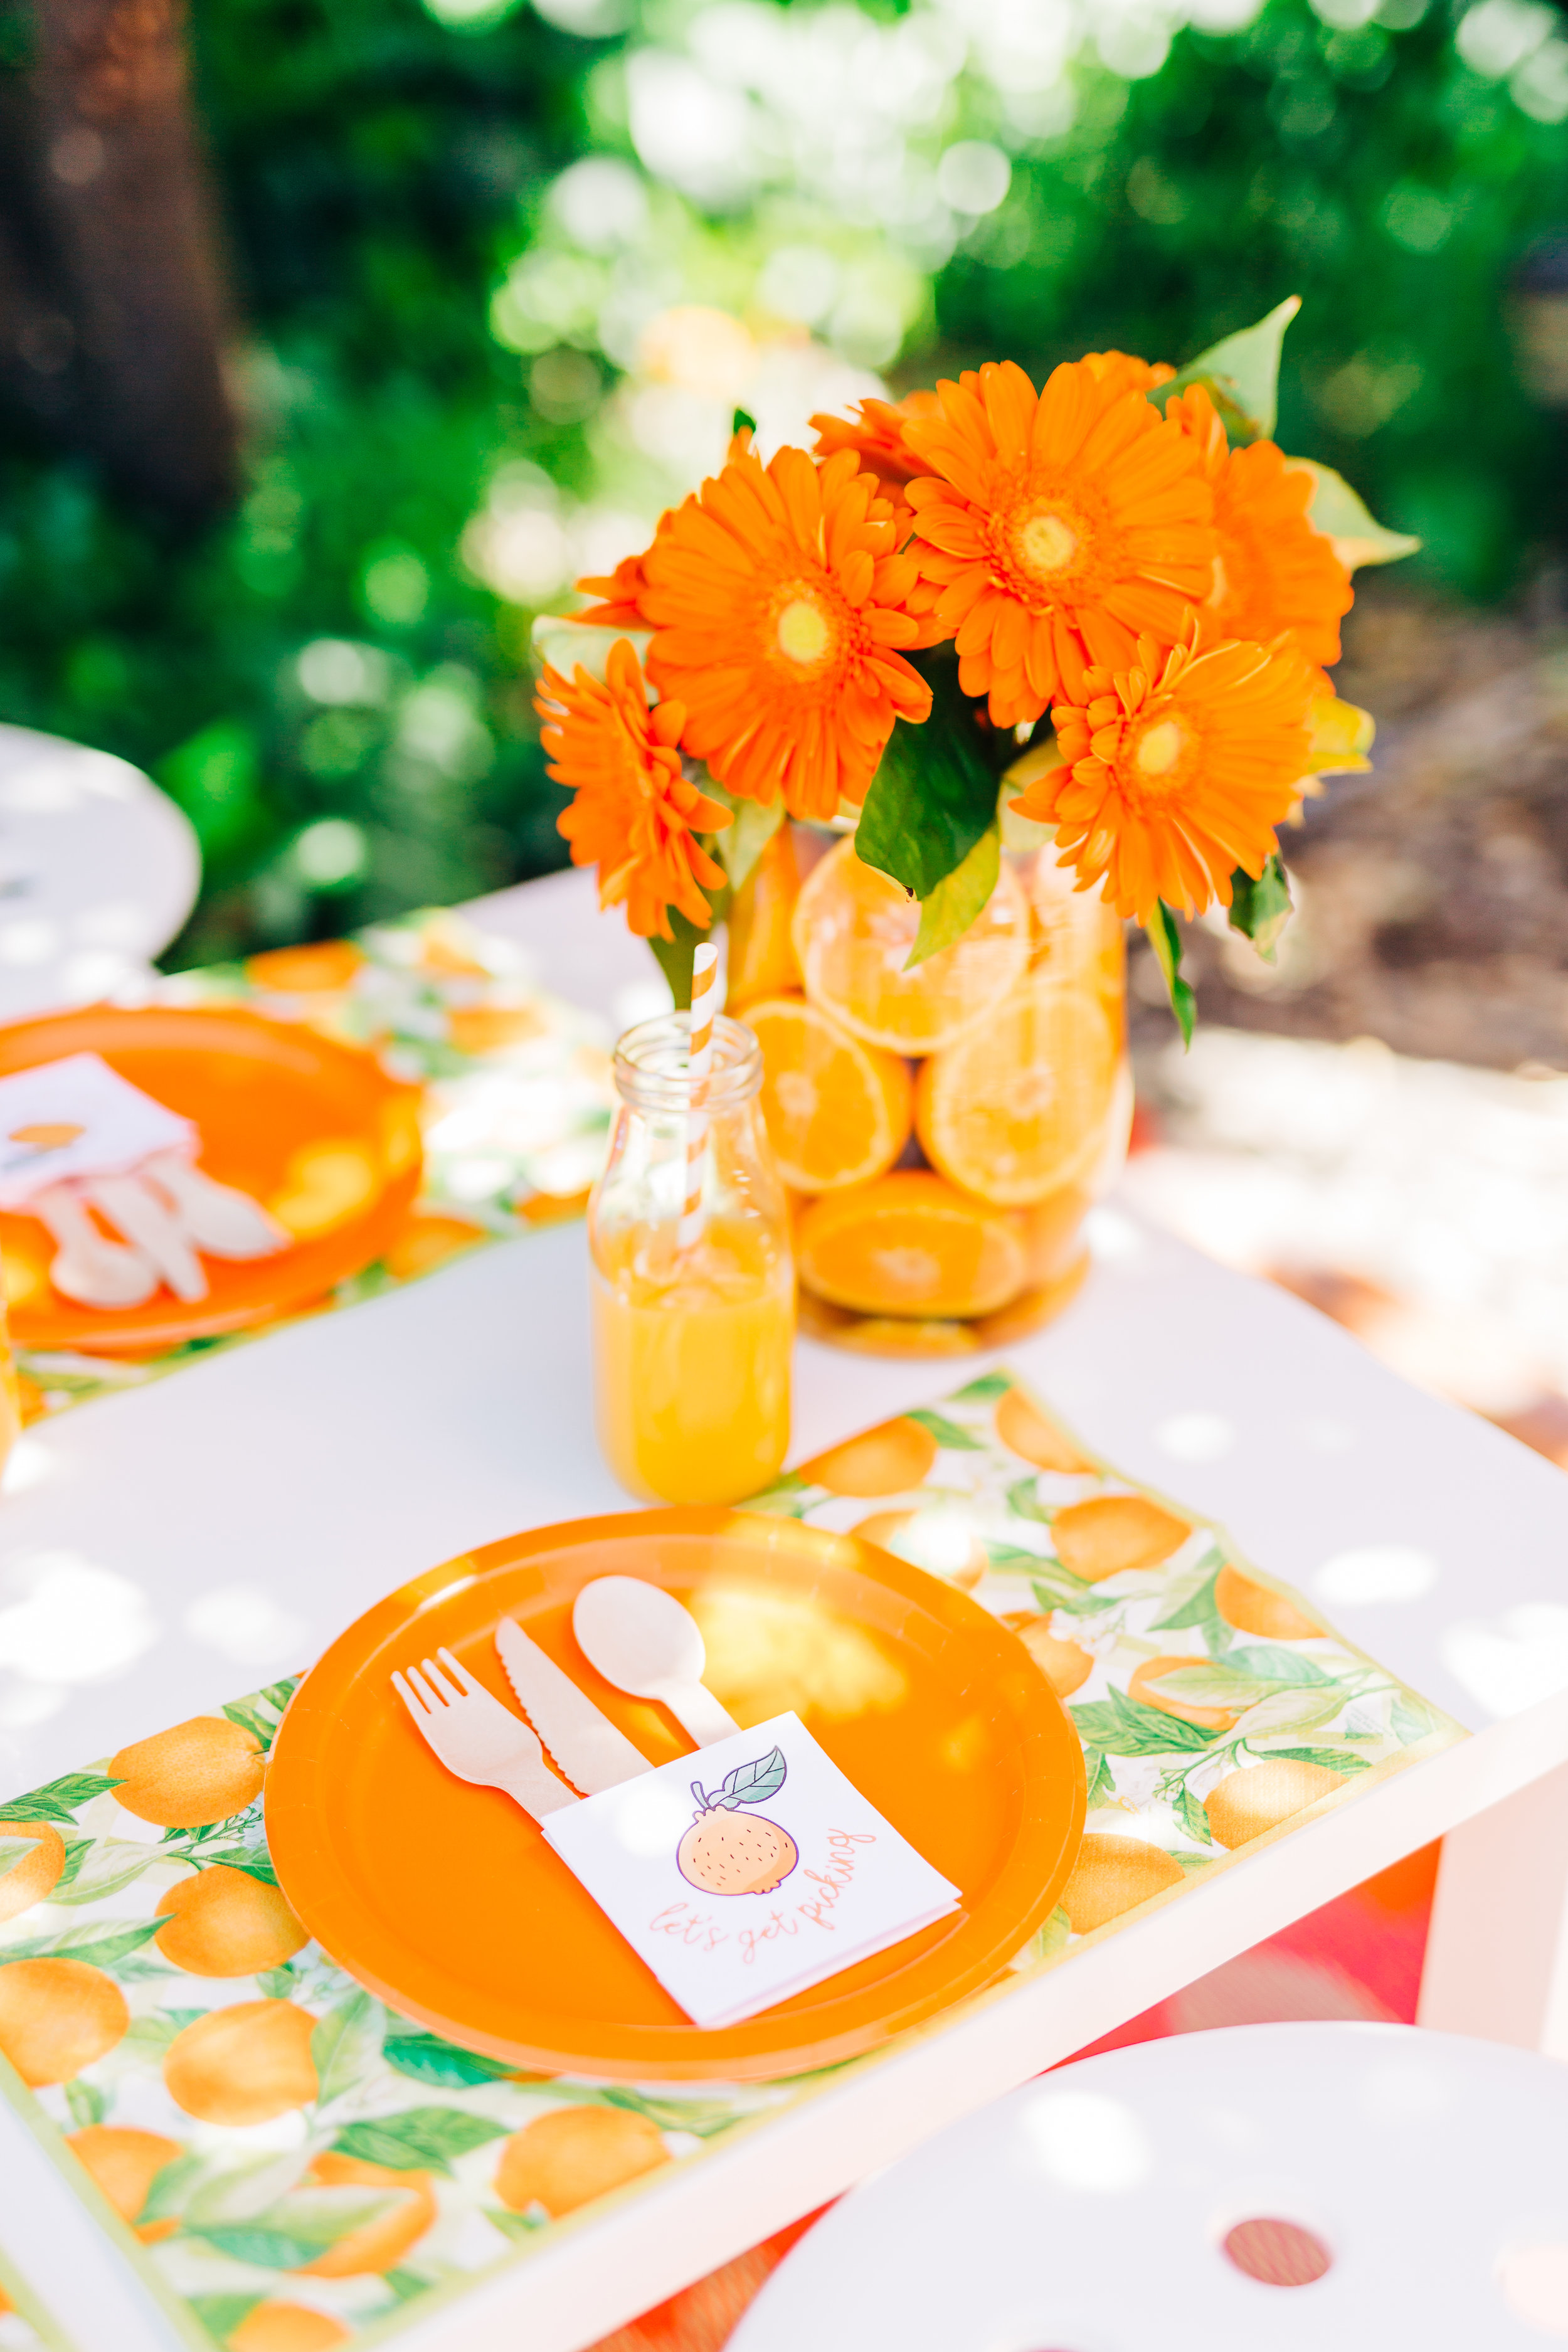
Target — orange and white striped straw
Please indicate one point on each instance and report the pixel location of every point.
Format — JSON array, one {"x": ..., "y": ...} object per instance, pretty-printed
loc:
[{"x": 699, "y": 1062}]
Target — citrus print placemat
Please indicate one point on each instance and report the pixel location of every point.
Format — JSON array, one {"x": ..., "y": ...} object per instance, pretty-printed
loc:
[
  {"x": 516, "y": 1112},
  {"x": 294, "y": 2167}
]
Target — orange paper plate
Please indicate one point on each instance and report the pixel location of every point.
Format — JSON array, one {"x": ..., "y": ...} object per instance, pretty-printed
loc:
[
  {"x": 446, "y": 1901},
  {"x": 294, "y": 1119}
]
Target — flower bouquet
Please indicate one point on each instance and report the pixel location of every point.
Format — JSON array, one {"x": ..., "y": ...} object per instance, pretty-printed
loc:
[{"x": 1044, "y": 661}]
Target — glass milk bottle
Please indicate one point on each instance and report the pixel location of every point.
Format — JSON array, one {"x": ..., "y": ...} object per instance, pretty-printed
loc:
[{"x": 691, "y": 1343}]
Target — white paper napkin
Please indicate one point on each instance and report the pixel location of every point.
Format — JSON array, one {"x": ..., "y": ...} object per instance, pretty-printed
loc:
[
  {"x": 748, "y": 1872},
  {"x": 117, "y": 1126}
]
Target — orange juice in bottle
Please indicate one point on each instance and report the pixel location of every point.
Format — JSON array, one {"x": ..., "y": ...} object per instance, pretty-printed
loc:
[{"x": 691, "y": 1336}]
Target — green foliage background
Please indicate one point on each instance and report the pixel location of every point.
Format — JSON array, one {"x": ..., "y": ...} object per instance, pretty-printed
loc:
[{"x": 382, "y": 171}]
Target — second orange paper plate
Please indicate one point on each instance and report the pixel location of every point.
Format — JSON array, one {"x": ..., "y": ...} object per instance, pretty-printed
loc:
[
  {"x": 314, "y": 1129},
  {"x": 446, "y": 1901}
]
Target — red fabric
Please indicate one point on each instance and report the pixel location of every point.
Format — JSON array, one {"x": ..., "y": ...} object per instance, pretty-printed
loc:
[{"x": 1357, "y": 1957}]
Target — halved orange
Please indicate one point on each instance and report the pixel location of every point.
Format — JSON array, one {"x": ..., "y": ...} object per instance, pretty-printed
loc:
[
  {"x": 1016, "y": 1108},
  {"x": 909, "y": 1244},
  {"x": 838, "y": 1112},
  {"x": 761, "y": 951},
  {"x": 853, "y": 930}
]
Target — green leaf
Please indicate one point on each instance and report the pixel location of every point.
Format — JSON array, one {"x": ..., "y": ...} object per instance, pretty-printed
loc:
[
  {"x": 958, "y": 900},
  {"x": 95, "y": 1867},
  {"x": 1279, "y": 1664},
  {"x": 676, "y": 956},
  {"x": 255, "y": 1861},
  {"x": 406, "y": 2284},
  {"x": 946, "y": 1433},
  {"x": 220, "y": 2315},
  {"x": 426, "y": 2058},
  {"x": 787, "y": 1498},
  {"x": 319, "y": 2217},
  {"x": 1297, "y": 1708},
  {"x": 149, "y": 2036},
  {"x": 748, "y": 1784},
  {"x": 1057, "y": 1588},
  {"x": 1023, "y": 1502},
  {"x": 1411, "y": 1719},
  {"x": 1122, "y": 1727},
  {"x": 1193, "y": 1818},
  {"x": 741, "y": 420},
  {"x": 420, "y": 2136},
  {"x": 516, "y": 2225},
  {"x": 987, "y": 1390},
  {"x": 279, "y": 1984},
  {"x": 1241, "y": 375},
  {"x": 266, "y": 2250},
  {"x": 277, "y": 1694},
  {"x": 87, "y": 2102},
  {"x": 1189, "y": 1598},
  {"x": 1052, "y": 1938},
  {"x": 14, "y": 1850},
  {"x": 1099, "y": 1778},
  {"x": 249, "y": 1718},
  {"x": 1259, "y": 911},
  {"x": 703, "y": 2119},
  {"x": 99, "y": 1944},
  {"x": 1333, "y": 1759},
  {"x": 1210, "y": 1681},
  {"x": 1339, "y": 514},
  {"x": 933, "y": 794},
  {"x": 345, "y": 2045},
  {"x": 240, "y": 2193},
  {"x": 171, "y": 2186},
  {"x": 568, "y": 646},
  {"x": 1166, "y": 941},
  {"x": 741, "y": 843},
  {"x": 57, "y": 1801}
]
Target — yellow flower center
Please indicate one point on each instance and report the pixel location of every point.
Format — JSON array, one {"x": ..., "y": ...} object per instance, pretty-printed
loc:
[
  {"x": 1044, "y": 544},
  {"x": 1159, "y": 755},
  {"x": 1161, "y": 746},
  {"x": 803, "y": 632}
]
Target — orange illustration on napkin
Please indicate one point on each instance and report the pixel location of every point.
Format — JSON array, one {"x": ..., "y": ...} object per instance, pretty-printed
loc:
[{"x": 725, "y": 1855}]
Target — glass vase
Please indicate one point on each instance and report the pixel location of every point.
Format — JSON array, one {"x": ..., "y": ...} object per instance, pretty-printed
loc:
[{"x": 944, "y": 1130}]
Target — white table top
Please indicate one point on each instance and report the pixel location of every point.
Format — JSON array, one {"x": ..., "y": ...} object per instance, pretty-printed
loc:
[{"x": 166, "y": 1548}]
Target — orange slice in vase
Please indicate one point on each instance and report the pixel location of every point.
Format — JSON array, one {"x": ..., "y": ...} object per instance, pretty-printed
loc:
[
  {"x": 909, "y": 1244},
  {"x": 853, "y": 931},
  {"x": 1016, "y": 1110},
  {"x": 838, "y": 1112}
]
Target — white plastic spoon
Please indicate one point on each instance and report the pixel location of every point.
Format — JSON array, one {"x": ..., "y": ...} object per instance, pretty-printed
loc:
[
  {"x": 141, "y": 1217},
  {"x": 218, "y": 1219},
  {"x": 93, "y": 1271},
  {"x": 641, "y": 1639}
]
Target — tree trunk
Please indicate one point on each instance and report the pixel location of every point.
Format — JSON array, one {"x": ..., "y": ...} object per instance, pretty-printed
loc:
[{"x": 112, "y": 313}]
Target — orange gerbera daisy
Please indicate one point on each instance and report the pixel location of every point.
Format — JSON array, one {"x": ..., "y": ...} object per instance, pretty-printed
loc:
[
  {"x": 1272, "y": 571},
  {"x": 877, "y": 436},
  {"x": 636, "y": 816},
  {"x": 1059, "y": 526},
  {"x": 1128, "y": 373},
  {"x": 622, "y": 589},
  {"x": 777, "y": 601},
  {"x": 1177, "y": 772}
]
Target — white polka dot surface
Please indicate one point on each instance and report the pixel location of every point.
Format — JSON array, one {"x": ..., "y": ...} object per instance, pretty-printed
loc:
[
  {"x": 97, "y": 871},
  {"x": 1287, "y": 2186}
]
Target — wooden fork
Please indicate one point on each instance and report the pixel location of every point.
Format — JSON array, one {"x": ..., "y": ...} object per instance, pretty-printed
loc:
[{"x": 479, "y": 1739}]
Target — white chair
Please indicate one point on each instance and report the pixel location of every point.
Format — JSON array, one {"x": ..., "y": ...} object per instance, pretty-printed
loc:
[
  {"x": 1262, "y": 2188},
  {"x": 97, "y": 871}
]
